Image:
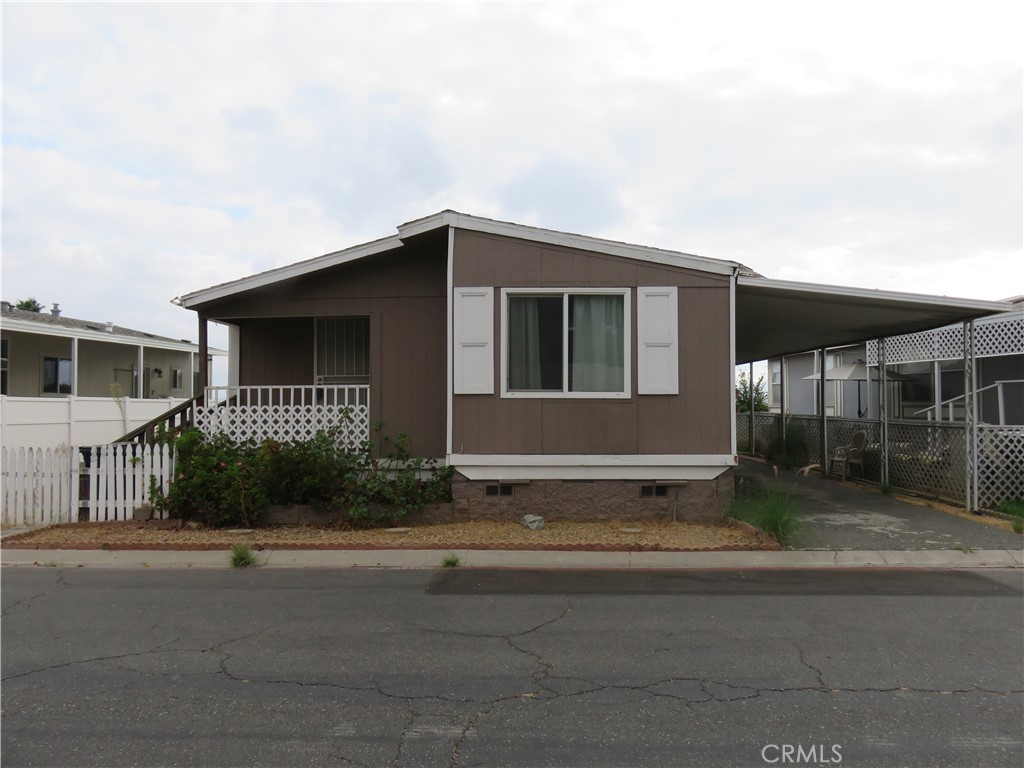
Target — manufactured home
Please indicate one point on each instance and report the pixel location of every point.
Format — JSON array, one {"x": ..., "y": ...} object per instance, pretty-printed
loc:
[{"x": 559, "y": 374}]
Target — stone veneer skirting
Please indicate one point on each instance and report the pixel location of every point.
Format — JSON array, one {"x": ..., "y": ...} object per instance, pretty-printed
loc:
[{"x": 694, "y": 500}]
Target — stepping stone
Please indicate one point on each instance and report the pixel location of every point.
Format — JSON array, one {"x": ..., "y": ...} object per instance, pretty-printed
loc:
[{"x": 397, "y": 530}]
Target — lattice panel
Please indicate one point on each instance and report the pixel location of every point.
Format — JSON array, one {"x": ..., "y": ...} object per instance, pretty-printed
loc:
[
  {"x": 1000, "y": 465},
  {"x": 992, "y": 338},
  {"x": 1005, "y": 337},
  {"x": 928, "y": 457},
  {"x": 286, "y": 422}
]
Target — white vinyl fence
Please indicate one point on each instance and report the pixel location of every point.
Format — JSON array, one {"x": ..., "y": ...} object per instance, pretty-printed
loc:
[{"x": 51, "y": 486}]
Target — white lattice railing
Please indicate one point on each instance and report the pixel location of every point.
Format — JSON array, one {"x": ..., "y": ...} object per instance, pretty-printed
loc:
[
  {"x": 993, "y": 337},
  {"x": 287, "y": 413}
]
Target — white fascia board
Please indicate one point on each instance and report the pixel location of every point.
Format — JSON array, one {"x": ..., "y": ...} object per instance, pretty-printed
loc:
[
  {"x": 22, "y": 326},
  {"x": 645, "y": 460},
  {"x": 539, "y": 471},
  {"x": 873, "y": 293},
  {"x": 568, "y": 240},
  {"x": 289, "y": 271}
]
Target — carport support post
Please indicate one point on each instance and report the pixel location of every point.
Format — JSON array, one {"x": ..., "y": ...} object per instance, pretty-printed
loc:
[
  {"x": 750, "y": 391},
  {"x": 970, "y": 422},
  {"x": 823, "y": 443},
  {"x": 883, "y": 414},
  {"x": 782, "y": 402}
]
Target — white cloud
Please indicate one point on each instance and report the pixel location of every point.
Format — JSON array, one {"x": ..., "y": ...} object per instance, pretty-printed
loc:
[{"x": 154, "y": 149}]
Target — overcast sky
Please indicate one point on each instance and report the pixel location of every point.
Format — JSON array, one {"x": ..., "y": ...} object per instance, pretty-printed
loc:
[{"x": 152, "y": 150}]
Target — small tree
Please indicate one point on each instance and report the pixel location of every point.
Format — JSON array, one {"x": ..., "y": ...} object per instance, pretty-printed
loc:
[
  {"x": 29, "y": 305},
  {"x": 743, "y": 395}
]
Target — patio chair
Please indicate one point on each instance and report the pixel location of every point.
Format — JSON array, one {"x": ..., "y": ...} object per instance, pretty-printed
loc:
[{"x": 850, "y": 455}]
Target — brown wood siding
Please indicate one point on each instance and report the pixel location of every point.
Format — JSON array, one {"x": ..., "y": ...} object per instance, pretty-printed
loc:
[
  {"x": 403, "y": 294},
  {"x": 697, "y": 421}
]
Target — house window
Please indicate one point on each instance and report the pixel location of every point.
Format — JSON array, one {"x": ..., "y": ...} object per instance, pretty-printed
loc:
[
  {"x": 343, "y": 350},
  {"x": 56, "y": 376},
  {"x": 559, "y": 343},
  {"x": 776, "y": 384},
  {"x": 177, "y": 380},
  {"x": 3, "y": 366}
]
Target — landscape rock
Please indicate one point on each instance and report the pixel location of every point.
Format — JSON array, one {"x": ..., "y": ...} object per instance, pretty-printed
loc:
[
  {"x": 533, "y": 522},
  {"x": 143, "y": 512}
]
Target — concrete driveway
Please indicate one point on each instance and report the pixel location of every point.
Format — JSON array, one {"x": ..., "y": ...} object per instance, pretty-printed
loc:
[{"x": 837, "y": 515}]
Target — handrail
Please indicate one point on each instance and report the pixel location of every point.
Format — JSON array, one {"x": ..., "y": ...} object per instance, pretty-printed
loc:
[
  {"x": 147, "y": 432},
  {"x": 952, "y": 400}
]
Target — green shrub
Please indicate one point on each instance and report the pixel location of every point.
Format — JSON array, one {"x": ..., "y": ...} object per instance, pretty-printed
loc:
[
  {"x": 770, "y": 507},
  {"x": 382, "y": 490},
  {"x": 216, "y": 481},
  {"x": 223, "y": 483},
  {"x": 792, "y": 453}
]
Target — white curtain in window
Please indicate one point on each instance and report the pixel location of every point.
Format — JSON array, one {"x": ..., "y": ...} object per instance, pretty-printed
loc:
[
  {"x": 523, "y": 343},
  {"x": 596, "y": 345}
]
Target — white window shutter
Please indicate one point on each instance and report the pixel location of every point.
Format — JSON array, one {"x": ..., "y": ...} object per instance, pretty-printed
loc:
[
  {"x": 658, "y": 335},
  {"x": 474, "y": 341}
]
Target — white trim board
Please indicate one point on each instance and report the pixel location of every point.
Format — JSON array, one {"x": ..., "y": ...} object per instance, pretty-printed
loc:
[
  {"x": 567, "y": 239},
  {"x": 493, "y": 468},
  {"x": 595, "y": 459}
]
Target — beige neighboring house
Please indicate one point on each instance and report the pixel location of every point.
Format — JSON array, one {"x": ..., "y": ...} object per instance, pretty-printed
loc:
[{"x": 65, "y": 381}]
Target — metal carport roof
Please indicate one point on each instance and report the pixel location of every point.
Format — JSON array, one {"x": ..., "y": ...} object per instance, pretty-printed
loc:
[{"x": 777, "y": 317}]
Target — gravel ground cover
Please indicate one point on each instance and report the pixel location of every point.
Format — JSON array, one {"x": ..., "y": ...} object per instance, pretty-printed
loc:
[{"x": 605, "y": 535}]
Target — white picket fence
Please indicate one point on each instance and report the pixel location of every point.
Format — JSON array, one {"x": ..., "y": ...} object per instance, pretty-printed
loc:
[{"x": 41, "y": 486}]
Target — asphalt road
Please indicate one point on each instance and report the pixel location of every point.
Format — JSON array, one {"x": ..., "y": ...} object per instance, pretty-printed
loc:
[{"x": 511, "y": 668}]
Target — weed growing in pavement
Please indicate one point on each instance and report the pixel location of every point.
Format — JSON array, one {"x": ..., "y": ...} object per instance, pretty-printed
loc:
[
  {"x": 770, "y": 507},
  {"x": 242, "y": 556},
  {"x": 451, "y": 560}
]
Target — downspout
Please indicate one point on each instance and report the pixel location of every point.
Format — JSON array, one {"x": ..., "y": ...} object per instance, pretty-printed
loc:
[{"x": 449, "y": 341}]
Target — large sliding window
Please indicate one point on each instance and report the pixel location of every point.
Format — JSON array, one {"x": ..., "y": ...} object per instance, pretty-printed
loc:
[
  {"x": 56, "y": 376},
  {"x": 566, "y": 343}
]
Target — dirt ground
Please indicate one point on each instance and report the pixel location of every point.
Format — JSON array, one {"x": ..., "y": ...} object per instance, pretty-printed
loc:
[{"x": 611, "y": 535}]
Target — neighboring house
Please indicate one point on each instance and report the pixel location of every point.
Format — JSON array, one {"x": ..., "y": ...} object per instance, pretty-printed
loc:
[
  {"x": 558, "y": 374},
  {"x": 930, "y": 367},
  {"x": 76, "y": 382}
]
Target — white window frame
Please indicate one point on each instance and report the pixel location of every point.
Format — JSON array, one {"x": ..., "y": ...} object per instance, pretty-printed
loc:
[{"x": 565, "y": 394}]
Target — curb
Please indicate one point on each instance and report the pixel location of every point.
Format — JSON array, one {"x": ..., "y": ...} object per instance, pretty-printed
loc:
[{"x": 493, "y": 558}]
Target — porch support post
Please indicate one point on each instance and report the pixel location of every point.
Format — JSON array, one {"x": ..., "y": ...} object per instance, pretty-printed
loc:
[
  {"x": 74, "y": 367},
  {"x": 750, "y": 405},
  {"x": 823, "y": 442},
  {"x": 140, "y": 382},
  {"x": 937, "y": 390},
  {"x": 204, "y": 364},
  {"x": 970, "y": 422},
  {"x": 883, "y": 413}
]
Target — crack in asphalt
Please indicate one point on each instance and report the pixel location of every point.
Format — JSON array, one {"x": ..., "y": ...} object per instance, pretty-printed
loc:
[
  {"x": 397, "y": 760},
  {"x": 59, "y": 583},
  {"x": 814, "y": 669}
]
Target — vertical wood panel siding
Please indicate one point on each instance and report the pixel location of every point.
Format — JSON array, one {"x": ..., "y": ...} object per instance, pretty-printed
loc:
[
  {"x": 403, "y": 294},
  {"x": 697, "y": 421}
]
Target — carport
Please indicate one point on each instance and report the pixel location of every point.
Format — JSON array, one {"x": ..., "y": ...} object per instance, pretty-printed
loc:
[{"x": 776, "y": 318}]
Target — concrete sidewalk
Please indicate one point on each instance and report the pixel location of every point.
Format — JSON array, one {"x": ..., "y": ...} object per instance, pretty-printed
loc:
[{"x": 419, "y": 558}]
